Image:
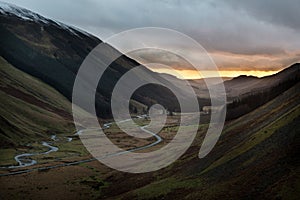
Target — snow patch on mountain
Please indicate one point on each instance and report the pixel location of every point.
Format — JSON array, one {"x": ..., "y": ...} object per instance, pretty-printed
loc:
[{"x": 10, "y": 9}]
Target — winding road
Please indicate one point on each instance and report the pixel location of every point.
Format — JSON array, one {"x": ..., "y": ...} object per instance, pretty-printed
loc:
[{"x": 23, "y": 162}]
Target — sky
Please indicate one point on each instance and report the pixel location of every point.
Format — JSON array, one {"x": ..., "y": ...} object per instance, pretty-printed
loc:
[{"x": 243, "y": 37}]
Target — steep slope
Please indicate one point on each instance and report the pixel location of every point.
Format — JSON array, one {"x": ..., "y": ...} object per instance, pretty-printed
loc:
[
  {"x": 53, "y": 52},
  {"x": 30, "y": 109}
]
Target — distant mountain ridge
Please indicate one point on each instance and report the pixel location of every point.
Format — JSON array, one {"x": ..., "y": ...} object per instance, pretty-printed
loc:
[
  {"x": 255, "y": 92},
  {"x": 244, "y": 84}
]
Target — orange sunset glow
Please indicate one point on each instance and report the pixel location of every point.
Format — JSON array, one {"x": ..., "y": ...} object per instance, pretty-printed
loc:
[
  {"x": 193, "y": 74},
  {"x": 229, "y": 64}
]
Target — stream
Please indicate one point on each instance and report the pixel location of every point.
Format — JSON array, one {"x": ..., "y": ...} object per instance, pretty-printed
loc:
[{"x": 24, "y": 159}]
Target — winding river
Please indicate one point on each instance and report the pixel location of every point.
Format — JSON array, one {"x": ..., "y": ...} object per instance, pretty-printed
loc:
[{"x": 24, "y": 159}]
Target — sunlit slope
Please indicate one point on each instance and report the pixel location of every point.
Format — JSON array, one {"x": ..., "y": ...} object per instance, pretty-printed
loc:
[{"x": 30, "y": 109}]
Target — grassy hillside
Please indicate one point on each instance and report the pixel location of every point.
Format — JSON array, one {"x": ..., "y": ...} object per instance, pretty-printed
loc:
[
  {"x": 256, "y": 157},
  {"x": 30, "y": 109}
]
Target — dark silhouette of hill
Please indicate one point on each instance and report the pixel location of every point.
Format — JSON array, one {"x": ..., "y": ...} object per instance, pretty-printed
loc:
[
  {"x": 250, "y": 84},
  {"x": 265, "y": 89}
]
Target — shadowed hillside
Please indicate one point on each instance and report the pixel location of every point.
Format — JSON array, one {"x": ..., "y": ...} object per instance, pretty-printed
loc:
[
  {"x": 267, "y": 89},
  {"x": 53, "y": 52}
]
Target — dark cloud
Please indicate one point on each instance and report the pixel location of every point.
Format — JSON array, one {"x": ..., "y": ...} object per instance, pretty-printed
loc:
[
  {"x": 285, "y": 13},
  {"x": 224, "y": 60}
]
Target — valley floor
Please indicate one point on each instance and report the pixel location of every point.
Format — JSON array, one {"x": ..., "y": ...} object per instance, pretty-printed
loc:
[{"x": 255, "y": 158}]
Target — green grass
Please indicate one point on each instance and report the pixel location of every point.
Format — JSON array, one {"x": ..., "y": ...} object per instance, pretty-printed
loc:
[
  {"x": 257, "y": 138},
  {"x": 7, "y": 156},
  {"x": 23, "y": 120},
  {"x": 25, "y": 124},
  {"x": 70, "y": 148},
  {"x": 29, "y": 121},
  {"x": 10, "y": 76}
]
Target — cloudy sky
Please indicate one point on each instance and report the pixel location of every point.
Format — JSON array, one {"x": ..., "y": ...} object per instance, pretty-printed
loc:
[{"x": 257, "y": 37}]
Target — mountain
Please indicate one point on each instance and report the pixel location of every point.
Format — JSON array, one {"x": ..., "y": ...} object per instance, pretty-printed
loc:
[
  {"x": 245, "y": 93},
  {"x": 53, "y": 52},
  {"x": 31, "y": 111},
  {"x": 256, "y": 157},
  {"x": 255, "y": 92},
  {"x": 251, "y": 84}
]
